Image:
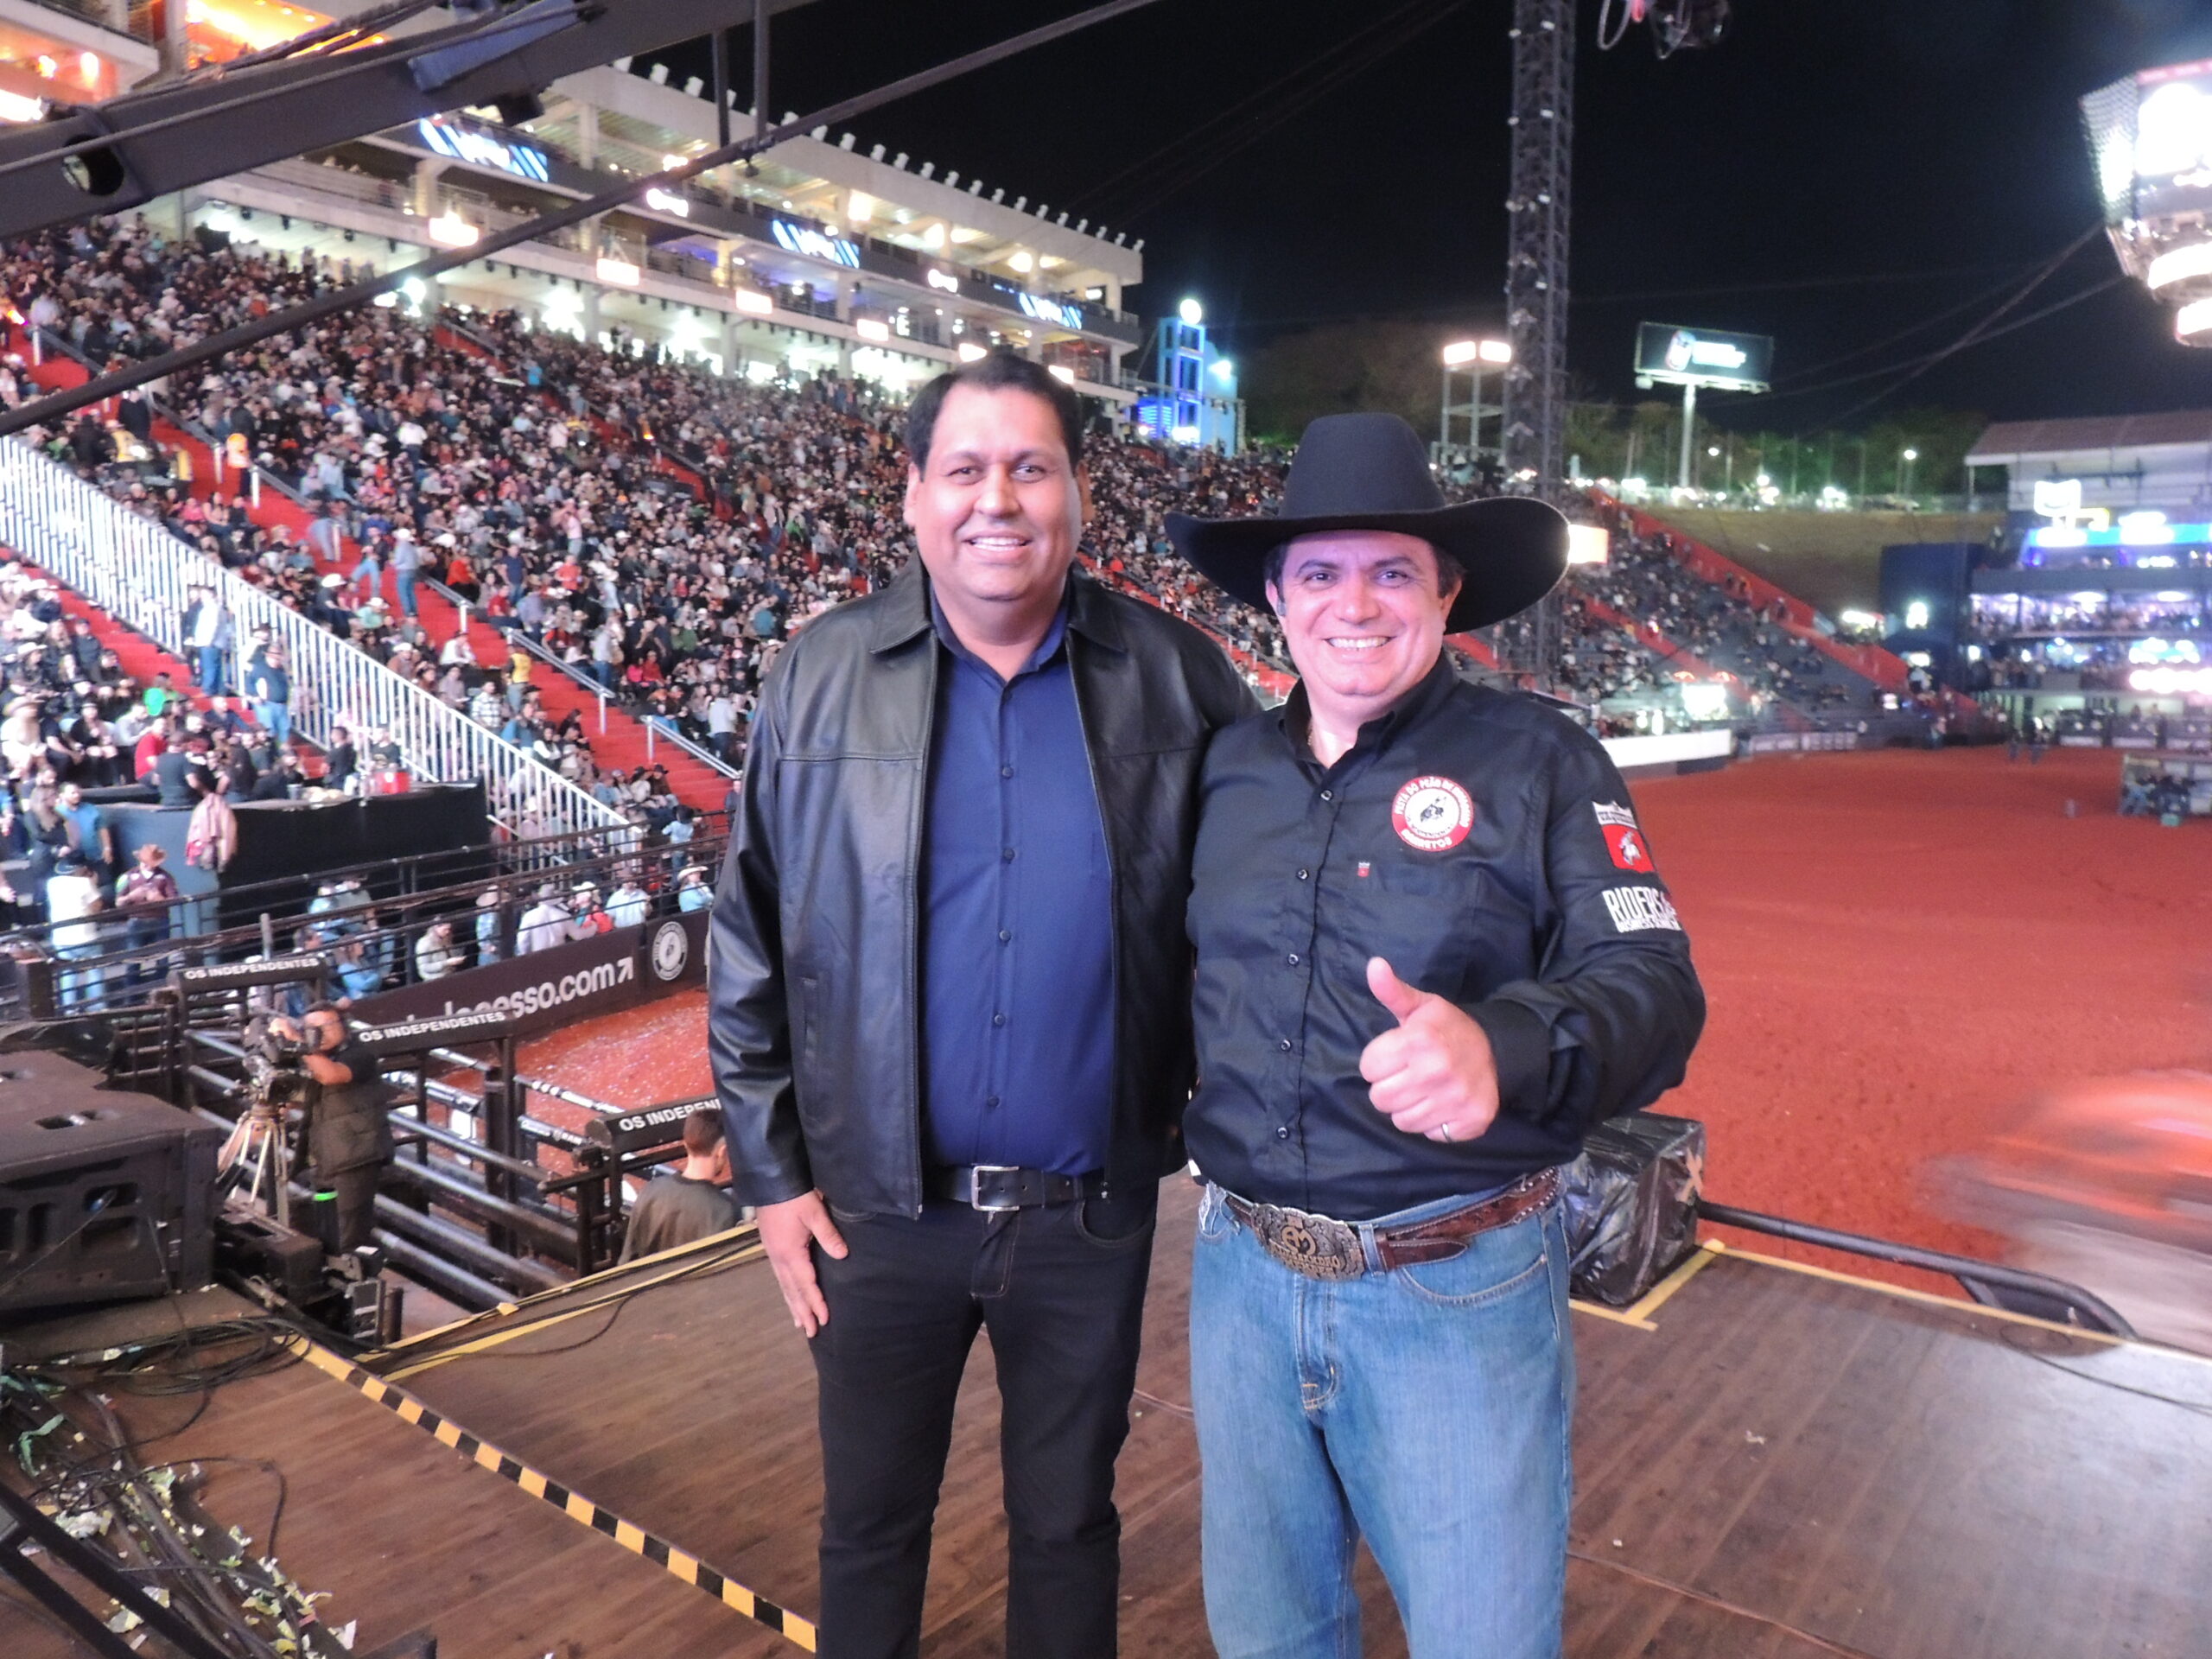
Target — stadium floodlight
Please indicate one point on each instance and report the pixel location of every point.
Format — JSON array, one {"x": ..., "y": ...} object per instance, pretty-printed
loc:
[
  {"x": 1712, "y": 449},
  {"x": 2193, "y": 320},
  {"x": 1022, "y": 260},
  {"x": 450, "y": 230},
  {"x": 1191, "y": 312},
  {"x": 1224, "y": 367},
  {"x": 2179, "y": 264},
  {"x": 971, "y": 353},
  {"x": 1461, "y": 350},
  {"x": 1912, "y": 455},
  {"x": 1495, "y": 351}
]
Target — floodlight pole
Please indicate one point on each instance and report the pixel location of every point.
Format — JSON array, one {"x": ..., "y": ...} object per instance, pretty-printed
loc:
[{"x": 1534, "y": 423}]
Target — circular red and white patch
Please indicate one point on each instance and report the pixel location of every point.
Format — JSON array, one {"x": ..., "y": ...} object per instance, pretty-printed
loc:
[{"x": 1432, "y": 815}]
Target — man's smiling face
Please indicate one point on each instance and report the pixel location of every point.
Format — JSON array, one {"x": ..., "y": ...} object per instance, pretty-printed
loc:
[
  {"x": 1362, "y": 613},
  {"x": 998, "y": 510}
]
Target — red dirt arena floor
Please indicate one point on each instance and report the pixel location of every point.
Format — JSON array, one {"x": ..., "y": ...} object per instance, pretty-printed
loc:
[{"x": 1900, "y": 950}]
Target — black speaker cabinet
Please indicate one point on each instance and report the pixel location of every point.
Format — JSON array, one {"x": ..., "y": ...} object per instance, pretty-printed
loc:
[{"x": 103, "y": 1196}]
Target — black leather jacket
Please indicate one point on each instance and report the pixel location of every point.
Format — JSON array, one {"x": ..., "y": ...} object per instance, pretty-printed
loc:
[{"x": 813, "y": 960}]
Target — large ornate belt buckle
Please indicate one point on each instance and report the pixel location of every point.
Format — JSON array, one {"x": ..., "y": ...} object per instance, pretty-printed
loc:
[{"x": 1316, "y": 1246}]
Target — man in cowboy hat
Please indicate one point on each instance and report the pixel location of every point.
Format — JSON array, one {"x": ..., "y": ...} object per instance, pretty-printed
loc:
[{"x": 1431, "y": 952}]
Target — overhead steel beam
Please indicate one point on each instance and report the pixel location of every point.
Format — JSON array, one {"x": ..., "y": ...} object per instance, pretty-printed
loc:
[
  {"x": 109, "y": 157},
  {"x": 56, "y": 404}
]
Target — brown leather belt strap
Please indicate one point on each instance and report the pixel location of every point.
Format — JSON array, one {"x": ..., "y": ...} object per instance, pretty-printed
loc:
[
  {"x": 1447, "y": 1235},
  {"x": 1322, "y": 1247}
]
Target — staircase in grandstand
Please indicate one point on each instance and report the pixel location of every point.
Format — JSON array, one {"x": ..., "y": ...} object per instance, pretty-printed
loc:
[
  {"x": 618, "y": 739},
  {"x": 140, "y": 576}
]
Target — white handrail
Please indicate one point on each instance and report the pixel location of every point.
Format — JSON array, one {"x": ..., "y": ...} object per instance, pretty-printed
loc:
[{"x": 137, "y": 571}]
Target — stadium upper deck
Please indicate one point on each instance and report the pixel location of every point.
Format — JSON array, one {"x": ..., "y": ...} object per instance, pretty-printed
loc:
[{"x": 830, "y": 254}]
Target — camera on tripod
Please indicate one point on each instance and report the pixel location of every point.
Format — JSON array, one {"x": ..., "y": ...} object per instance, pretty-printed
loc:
[{"x": 275, "y": 1077}]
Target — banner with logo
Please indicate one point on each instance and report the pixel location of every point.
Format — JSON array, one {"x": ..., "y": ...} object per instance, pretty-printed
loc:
[{"x": 581, "y": 980}]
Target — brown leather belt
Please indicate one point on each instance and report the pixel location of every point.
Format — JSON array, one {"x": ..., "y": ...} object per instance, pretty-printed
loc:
[{"x": 1321, "y": 1247}]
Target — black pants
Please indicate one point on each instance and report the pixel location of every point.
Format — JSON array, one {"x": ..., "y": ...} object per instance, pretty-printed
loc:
[
  {"x": 1061, "y": 1291},
  {"x": 356, "y": 1194}
]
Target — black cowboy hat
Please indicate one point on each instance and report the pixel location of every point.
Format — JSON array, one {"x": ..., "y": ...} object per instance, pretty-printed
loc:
[{"x": 1370, "y": 472}]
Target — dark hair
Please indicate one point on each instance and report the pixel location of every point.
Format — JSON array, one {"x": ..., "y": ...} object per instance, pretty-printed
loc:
[
  {"x": 1450, "y": 573},
  {"x": 998, "y": 371},
  {"x": 703, "y": 1130}
]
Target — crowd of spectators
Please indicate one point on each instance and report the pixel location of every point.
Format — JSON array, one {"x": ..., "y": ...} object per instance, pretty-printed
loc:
[{"x": 654, "y": 529}]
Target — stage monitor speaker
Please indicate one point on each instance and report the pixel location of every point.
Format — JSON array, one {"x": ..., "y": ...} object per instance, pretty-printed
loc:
[{"x": 103, "y": 1196}]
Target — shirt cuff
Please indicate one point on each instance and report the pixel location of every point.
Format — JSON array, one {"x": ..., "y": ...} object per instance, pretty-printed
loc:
[{"x": 1521, "y": 1048}]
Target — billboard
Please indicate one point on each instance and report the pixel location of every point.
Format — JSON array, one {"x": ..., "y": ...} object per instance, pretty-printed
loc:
[{"x": 1670, "y": 354}]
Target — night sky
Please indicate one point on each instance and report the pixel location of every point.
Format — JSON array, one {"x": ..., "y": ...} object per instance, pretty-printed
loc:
[{"x": 1834, "y": 173}]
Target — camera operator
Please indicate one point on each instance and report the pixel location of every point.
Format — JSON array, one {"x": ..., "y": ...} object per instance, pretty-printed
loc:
[{"x": 349, "y": 1137}]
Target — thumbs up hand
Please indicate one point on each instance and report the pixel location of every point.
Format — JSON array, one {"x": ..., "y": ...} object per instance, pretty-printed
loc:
[{"x": 1433, "y": 1075}]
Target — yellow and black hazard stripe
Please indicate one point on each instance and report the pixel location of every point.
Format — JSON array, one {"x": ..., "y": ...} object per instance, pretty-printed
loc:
[{"x": 574, "y": 1504}]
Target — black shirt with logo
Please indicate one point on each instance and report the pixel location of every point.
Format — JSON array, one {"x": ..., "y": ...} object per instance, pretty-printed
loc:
[{"x": 1485, "y": 846}]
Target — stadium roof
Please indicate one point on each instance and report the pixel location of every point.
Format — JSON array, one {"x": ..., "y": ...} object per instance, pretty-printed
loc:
[{"x": 2013, "y": 441}]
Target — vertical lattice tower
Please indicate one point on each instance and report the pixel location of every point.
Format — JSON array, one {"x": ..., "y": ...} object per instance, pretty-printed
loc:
[{"x": 1536, "y": 205}]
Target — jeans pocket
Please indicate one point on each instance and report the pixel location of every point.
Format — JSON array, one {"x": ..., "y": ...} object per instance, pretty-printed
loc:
[
  {"x": 1494, "y": 1266},
  {"x": 1113, "y": 1226}
]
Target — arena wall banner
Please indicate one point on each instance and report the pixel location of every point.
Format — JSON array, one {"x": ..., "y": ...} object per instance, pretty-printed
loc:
[{"x": 581, "y": 980}]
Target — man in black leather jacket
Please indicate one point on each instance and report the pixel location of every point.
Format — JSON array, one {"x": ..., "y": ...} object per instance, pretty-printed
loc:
[{"x": 950, "y": 1007}]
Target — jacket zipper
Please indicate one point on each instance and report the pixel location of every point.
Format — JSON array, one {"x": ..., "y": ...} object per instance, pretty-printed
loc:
[
  {"x": 1075, "y": 657},
  {"x": 917, "y": 806}
]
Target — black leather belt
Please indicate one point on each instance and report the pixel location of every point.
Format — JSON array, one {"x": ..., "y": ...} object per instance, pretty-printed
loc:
[{"x": 995, "y": 1187}]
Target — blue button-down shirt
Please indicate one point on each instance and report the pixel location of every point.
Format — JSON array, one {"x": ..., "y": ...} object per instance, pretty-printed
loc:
[{"x": 1017, "y": 938}]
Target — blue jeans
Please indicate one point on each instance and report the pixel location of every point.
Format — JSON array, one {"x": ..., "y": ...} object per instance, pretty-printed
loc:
[
  {"x": 1425, "y": 1408},
  {"x": 405, "y": 581},
  {"x": 276, "y": 717},
  {"x": 210, "y": 670}
]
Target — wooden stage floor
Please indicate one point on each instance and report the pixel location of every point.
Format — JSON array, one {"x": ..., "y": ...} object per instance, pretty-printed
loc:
[{"x": 1771, "y": 1462}]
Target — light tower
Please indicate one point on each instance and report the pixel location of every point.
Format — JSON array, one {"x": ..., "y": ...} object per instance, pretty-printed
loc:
[{"x": 1537, "y": 207}]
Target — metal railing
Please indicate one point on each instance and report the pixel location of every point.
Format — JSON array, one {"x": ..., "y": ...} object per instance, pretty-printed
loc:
[
  {"x": 134, "y": 569},
  {"x": 515, "y": 637}
]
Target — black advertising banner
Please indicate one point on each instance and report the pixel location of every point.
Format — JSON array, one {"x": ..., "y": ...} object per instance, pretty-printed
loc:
[{"x": 581, "y": 980}]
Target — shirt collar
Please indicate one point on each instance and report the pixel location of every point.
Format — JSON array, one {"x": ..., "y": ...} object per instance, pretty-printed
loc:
[
  {"x": 1047, "y": 648},
  {"x": 1294, "y": 719}
]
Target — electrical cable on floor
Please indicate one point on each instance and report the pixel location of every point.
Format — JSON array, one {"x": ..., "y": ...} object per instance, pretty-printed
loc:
[
  {"x": 1159, "y": 1404},
  {"x": 418, "y": 1357},
  {"x": 147, "y": 1518},
  {"x": 1798, "y": 1631},
  {"x": 2006, "y": 1335}
]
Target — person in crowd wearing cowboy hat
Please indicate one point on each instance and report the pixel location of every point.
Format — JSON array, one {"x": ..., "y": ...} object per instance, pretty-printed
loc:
[
  {"x": 545, "y": 925},
  {"x": 1433, "y": 950}
]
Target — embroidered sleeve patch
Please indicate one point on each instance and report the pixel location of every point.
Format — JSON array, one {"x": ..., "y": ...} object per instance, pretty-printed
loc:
[
  {"x": 1638, "y": 909},
  {"x": 1624, "y": 840}
]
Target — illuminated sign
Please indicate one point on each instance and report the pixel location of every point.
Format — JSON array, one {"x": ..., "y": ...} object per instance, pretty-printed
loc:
[
  {"x": 2138, "y": 533},
  {"x": 668, "y": 202},
  {"x": 483, "y": 149},
  {"x": 2056, "y": 498},
  {"x": 1702, "y": 357},
  {"x": 1067, "y": 316},
  {"x": 813, "y": 243},
  {"x": 943, "y": 279}
]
